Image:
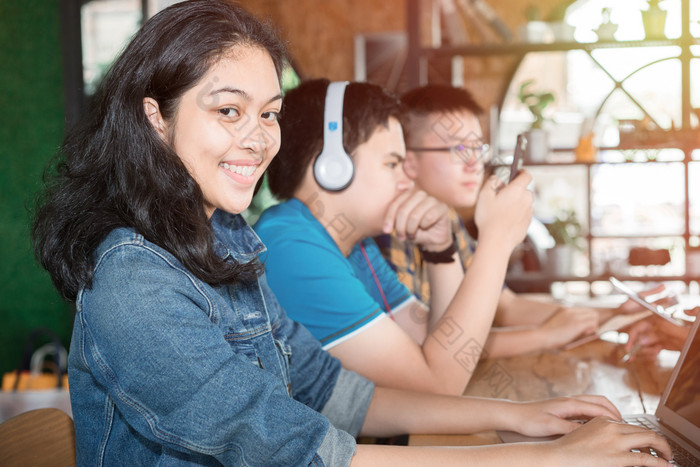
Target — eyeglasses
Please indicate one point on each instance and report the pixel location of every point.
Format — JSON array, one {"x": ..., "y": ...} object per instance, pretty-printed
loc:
[{"x": 461, "y": 153}]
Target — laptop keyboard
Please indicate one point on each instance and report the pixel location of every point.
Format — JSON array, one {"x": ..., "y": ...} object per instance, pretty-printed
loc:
[{"x": 681, "y": 457}]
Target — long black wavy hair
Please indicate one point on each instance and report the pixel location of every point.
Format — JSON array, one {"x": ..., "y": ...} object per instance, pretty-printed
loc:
[{"x": 114, "y": 170}]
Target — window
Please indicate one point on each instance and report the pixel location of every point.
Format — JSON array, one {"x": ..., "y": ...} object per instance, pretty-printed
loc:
[{"x": 631, "y": 95}]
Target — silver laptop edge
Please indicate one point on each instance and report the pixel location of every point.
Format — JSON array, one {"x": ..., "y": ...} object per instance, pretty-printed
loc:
[{"x": 667, "y": 417}]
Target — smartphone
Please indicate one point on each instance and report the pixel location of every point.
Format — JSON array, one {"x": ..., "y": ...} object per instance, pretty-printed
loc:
[
  {"x": 656, "y": 309},
  {"x": 517, "y": 163}
]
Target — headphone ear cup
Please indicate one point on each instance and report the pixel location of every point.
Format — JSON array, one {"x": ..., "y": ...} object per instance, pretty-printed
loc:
[
  {"x": 333, "y": 168},
  {"x": 334, "y": 171}
]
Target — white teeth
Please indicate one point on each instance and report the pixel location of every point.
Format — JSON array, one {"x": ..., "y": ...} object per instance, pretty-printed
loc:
[{"x": 245, "y": 170}]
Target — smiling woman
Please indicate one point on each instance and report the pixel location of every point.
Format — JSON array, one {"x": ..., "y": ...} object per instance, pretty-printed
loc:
[
  {"x": 225, "y": 130},
  {"x": 116, "y": 169},
  {"x": 137, "y": 226}
]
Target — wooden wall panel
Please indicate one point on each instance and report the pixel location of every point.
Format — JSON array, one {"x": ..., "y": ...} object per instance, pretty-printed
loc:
[{"x": 320, "y": 34}]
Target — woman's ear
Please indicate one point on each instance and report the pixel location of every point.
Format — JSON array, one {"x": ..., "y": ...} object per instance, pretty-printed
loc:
[
  {"x": 152, "y": 111},
  {"x": 410, "y": 165}
]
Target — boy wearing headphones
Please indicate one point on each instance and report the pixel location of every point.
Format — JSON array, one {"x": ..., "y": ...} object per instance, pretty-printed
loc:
[
  {"x": 327, "y": 271},
  {"x": 441, "y": 123}
]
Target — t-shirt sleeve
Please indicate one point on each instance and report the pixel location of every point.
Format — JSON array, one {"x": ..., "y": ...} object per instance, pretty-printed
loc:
[{"x": 316, "y": 285}]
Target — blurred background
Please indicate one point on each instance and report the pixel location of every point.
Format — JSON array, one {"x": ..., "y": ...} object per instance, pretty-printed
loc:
[{"x": 606, "y": 90}]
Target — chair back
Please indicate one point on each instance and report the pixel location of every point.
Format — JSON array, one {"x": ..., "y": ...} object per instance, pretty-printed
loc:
[{"x": 42, "y": 437}]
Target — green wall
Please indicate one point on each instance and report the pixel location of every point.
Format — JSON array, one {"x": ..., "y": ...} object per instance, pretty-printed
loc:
[{"x": 31, "y": 129}]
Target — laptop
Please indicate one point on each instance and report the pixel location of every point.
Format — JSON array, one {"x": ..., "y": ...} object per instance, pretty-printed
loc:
[{"x": 677, "y": 416}]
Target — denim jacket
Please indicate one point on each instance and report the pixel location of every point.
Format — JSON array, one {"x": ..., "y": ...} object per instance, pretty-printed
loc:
[{"x": 167, "y": 370}]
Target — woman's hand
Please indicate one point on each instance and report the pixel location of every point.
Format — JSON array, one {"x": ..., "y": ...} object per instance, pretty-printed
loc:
[
  {"x": 567, "y": 324},
  {"x": 559, "y": 416},
  {"x": 605, "y": 442},
  {"x": 651, "y": 335}
]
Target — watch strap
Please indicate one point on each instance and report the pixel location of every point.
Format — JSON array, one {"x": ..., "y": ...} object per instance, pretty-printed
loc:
[{"x": 444, "y": 256}]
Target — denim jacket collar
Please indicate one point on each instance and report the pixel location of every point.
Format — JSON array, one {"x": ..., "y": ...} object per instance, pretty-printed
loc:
[{"x": 235, "y": 237}]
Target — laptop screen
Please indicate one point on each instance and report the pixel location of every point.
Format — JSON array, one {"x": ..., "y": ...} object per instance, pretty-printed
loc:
[{"x": 680, "y": 406}]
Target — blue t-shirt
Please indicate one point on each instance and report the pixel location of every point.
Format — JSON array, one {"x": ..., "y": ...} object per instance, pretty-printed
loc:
[{"x": 333, "y": 296}]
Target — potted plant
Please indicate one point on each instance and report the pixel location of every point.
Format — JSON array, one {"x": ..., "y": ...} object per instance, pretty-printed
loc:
[
  {"x": 654, "y": 19},
  {"x": 534, "y": 30},
  {"x": 556, "y": 20},
  {"x": 566, "y": 231},
  {"x": 607, "y": 29},
  {"x": 537, "y": 146}
]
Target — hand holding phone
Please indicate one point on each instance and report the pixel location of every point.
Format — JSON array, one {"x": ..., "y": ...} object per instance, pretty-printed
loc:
[
  {"x": 656, "y": 309},
  {"x": 517, "y": 163}
]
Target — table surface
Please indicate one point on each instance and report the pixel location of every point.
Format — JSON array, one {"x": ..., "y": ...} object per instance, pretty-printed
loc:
[{"x": 593, "y": 368}]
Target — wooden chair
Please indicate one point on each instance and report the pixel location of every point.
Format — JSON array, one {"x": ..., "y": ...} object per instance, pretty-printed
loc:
[{"x": 42, "y": 437}]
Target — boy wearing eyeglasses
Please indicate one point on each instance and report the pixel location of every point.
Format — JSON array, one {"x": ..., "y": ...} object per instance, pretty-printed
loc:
[{"x": 446, "y": 157}]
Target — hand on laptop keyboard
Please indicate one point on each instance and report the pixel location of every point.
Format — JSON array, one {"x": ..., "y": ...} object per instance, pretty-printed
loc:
[
  {"x": 681, "y": 457},
  {"x": 606, "y": 442}
]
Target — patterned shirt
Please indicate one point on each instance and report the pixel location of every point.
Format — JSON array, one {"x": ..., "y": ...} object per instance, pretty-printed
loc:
[{"x": 405, "y": 258}]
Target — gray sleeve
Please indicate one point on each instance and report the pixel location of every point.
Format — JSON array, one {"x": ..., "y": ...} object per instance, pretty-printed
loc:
[
  {"x": 337, "y": 448},
  {"x": 348, "y": 404}
]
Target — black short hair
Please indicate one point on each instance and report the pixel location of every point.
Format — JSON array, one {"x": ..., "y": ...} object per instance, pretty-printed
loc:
[
  {"x": 439, "y": 98},
  {"x": 366, "y": 107},
  {"x": 430, "y": 100}
]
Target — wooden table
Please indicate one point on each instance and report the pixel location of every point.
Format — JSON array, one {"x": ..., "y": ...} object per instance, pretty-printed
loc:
[{"x": 593, "y": 368}]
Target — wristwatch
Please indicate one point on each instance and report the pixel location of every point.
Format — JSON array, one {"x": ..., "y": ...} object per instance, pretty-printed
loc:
[{"x": 444, "y": 256}]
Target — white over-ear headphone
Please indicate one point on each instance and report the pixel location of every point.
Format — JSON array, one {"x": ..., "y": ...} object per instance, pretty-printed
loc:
[{"x": 333, "y": 168}]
